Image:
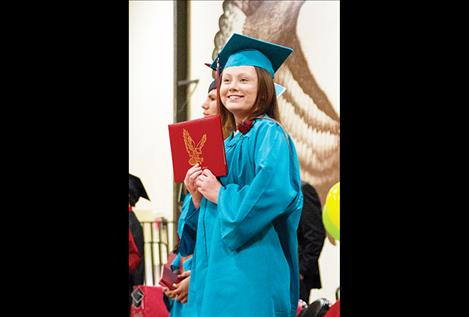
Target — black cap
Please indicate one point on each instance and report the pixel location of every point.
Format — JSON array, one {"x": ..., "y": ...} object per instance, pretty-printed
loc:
[
  {"x": 212, "y": 86},
  {"x": 136, "y": 190}
]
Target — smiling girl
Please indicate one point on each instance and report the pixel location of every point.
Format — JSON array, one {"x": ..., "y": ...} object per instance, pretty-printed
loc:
[{"x": 245, "y": 261}]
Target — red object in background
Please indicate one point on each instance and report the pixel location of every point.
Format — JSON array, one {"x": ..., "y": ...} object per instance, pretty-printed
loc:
[
  {"x": 334, "y": 311},
  {"x": 197, "y": 141},
  {"x": 147, "y": 301},
  {"x": 134, "y": 255},
  {"x": 157, "y": 223},
  {"x": 301, "y": 306}
]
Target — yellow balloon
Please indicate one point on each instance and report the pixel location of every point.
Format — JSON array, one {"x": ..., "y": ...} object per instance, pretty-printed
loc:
[
  {"x": 332, "y": 230},
  {"x": 331, "y": 212}
]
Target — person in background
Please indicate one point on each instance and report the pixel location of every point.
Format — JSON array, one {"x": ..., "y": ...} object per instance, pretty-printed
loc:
[
  {"x": 210, "y": 104},
  {"x": 311, "y": 237},
  {"x": 180, "y": 263},
  {"x": 136, "y": 241}
]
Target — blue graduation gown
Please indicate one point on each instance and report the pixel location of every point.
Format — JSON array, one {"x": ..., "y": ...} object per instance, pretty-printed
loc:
[
  {"x": 245, "y": 261},
  {"x": 177, "y": 308}
]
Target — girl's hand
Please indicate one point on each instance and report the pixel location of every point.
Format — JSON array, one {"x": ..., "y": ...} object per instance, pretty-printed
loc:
[
  {"x": 189, "y": 181},
  {"x": 169, "y": 293},
  {"x": 208, "y": 185},
  {"x": 185, "y": 274},
  {"x": 182, "y": 290}
]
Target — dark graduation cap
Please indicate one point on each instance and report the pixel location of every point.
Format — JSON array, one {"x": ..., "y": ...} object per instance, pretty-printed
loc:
[
  {"x": 212, "y": 86},
  {"x": 136, "y": 189}
]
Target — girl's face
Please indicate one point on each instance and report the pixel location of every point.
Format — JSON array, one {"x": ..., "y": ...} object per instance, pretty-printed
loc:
[
  {"x": 238, "y": 90},
  {"x": 210, "y": 104}
]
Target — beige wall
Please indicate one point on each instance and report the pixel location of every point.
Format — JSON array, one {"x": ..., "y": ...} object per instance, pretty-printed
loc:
[
  {"x": 151, "y": 103},
  {"x": 203, "y": 26},
  {"x": 319, "y": 32}
]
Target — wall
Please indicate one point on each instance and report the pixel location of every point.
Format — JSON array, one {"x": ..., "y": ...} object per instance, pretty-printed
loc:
[
  {"x": 319, "y": 32},
  {"x": 151, "y": 64},
  {"x": 203, "y": 25}
]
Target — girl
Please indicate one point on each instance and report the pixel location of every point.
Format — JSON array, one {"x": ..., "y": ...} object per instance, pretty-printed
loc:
[
  {"x": 245, "y": 261},
  {"x": 183, "y": 263}
]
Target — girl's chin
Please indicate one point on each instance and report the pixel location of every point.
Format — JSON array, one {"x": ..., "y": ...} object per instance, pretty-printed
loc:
[{"x": 232, "y": 106}]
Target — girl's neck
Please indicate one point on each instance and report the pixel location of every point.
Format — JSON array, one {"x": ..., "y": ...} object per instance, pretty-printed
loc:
[{"x": 240, "y": 118}]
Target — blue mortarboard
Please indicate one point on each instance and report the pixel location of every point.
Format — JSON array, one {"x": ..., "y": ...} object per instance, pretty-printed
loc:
[{"x": 242, "y": 50}]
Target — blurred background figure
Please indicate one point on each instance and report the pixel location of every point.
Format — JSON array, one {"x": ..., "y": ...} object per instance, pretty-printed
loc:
[
  {"x": 136, "y": 261},
  {"x": 311, "y": 236},
  {"x": 179, "y": 296},
  {"x": 210, "y": 104}
]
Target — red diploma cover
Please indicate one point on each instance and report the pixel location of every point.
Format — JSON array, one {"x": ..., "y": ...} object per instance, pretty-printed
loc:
[
  {"x": 168, "y": 277},
  {"x": 197, "y": 141}
]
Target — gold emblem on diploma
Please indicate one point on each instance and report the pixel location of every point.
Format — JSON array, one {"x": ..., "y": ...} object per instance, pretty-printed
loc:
[{"x": 194, "y": 151}]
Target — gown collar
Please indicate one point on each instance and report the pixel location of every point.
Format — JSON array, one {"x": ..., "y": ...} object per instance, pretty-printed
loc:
[{"x": 232, "y": 139}]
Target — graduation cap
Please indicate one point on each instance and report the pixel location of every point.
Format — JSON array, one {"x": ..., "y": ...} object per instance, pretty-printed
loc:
[
  {"x": 212, "y": 86},
  {"x": 136, "y": 190},
  {"x": 242, "y": 50}
]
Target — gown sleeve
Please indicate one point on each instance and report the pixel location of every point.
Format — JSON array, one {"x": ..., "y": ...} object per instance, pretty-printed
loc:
[
  {"x": 188, "y": 229},
  {"x": 245, "y": 211}
]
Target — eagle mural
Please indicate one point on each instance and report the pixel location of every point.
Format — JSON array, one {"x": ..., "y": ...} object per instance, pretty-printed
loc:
[{"x": 305, "y": 109}]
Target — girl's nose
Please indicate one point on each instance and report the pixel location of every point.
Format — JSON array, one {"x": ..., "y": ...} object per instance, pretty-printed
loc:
[{"x": 233, "y": 85}]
